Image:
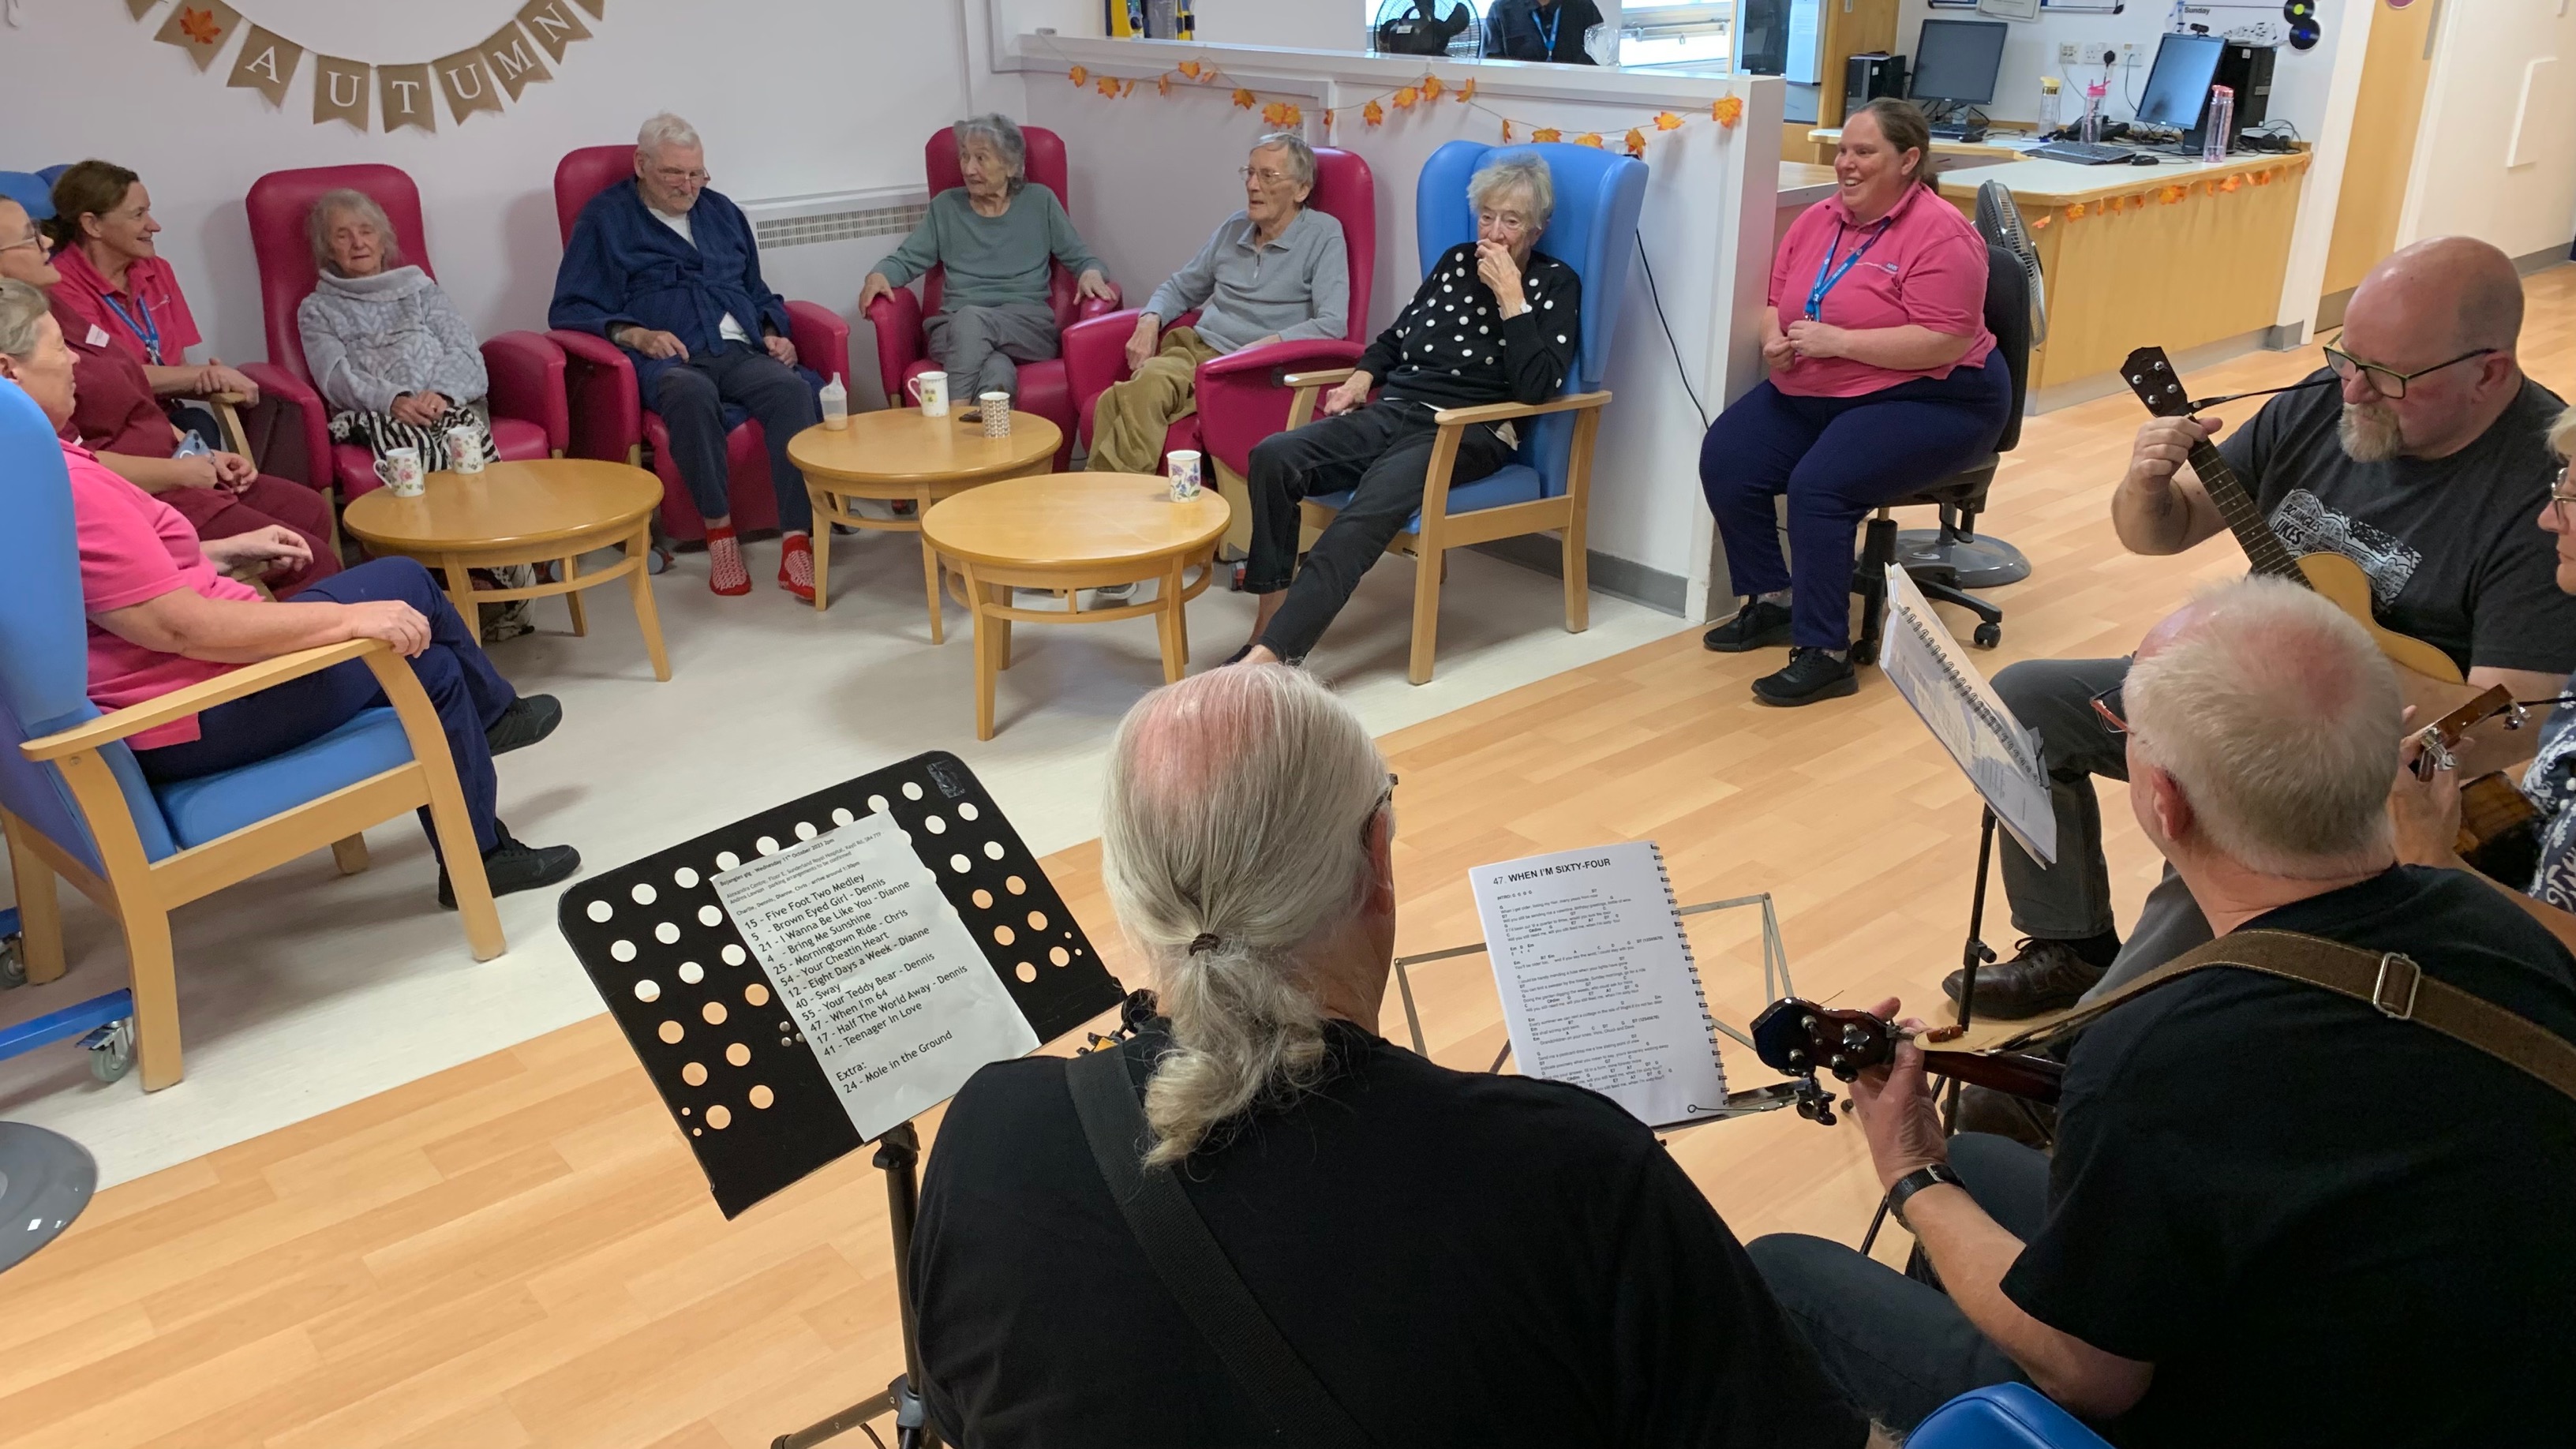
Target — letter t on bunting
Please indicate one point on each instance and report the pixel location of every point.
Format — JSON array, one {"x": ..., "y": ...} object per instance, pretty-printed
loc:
[
  {"x": 200, "y": 27},
  {"x": 403, "y": 91},
  {"x": 554, "y": 24},
  {"x": 514, "y": 62},
  {"x": 469, "y": 87},
  {"x": 266, "y": 63}
]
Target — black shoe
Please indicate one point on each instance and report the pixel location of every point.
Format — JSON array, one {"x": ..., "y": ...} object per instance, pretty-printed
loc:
[
  {"x": 529, "y": 719},
  {"x": 1758, "y": 625},
  {"x": 1983, "y": 1109},
  {"x": 513, "y": 865},
  {"x": 2047, "y": 976},
  {"x": 1813, "y": 674}
]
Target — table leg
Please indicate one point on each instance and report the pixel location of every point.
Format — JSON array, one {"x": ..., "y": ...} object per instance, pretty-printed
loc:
[
  {"x": 824, "y": 506},
  {"x": 639, "y": 551},
  {"x": 460, "y": 591},
  {"x": 930, "y": 579},
  {"x": 1167, "y": 622},
  {"x": 1001, "y": 597},
  {"x": 1172, "y": 581},
  {"x": 987, "y": 637},
  {"x": 572, "y": 599}
]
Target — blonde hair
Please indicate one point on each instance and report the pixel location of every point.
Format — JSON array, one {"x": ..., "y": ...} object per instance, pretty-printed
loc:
[
  {"x": 2279, "y": 721},
  {"x": 2562, "y": 434},
  {"x": 1236, "y": 834}
]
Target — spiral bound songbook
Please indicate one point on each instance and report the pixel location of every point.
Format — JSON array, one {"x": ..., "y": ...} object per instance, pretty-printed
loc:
[
  {"x": 2000, "y": 757},
  {"x": 1598, "y": 985}
]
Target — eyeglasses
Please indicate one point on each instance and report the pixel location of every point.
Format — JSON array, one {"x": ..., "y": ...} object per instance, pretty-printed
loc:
[
  {"x": 2387, "y": 381},
  {"x": 671, "y": 176},
  {"x": 1385, "y": 798},
  {"x": 1265, "y": 177},
  {"x": 2108, "y": 705},
  {"x": 2559, "y": 498},
  {"x": 38, "y": 242}
]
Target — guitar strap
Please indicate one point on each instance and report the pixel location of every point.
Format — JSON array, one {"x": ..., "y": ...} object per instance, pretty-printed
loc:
[{"x": 2390, "y": 983}]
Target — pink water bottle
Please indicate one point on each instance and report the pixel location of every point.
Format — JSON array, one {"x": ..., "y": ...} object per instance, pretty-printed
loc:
[{"x": 2222, "y": 125}]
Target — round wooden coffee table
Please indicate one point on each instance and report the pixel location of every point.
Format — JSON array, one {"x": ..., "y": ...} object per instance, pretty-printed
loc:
[
  {"x": 899, "y": 456},
  {"x": 549, "y": 510},
  {"x": 1067, "y": 533}
]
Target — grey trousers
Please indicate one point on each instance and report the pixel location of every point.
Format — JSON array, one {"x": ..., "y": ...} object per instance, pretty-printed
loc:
[
  {"x": 2071, "y": 900},
  {"x": 981, "y": 347}
]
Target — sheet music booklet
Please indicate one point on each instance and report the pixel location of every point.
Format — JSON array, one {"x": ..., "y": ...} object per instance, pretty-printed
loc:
[
  {"x": 1999, "y": 756},
  {"x": 1597, "y": 980}
]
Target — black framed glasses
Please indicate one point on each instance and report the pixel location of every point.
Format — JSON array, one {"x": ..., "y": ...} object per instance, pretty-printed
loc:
[
  {"x": 1385, "y": 798},
  {"x": 2559, "y": 497},
  {"x": 2110, "y": 707},
  {"x": 2388, "y": 382}
]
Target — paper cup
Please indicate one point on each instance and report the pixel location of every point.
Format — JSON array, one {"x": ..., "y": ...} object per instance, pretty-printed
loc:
[
  {"x": 930, "y": 392},
  {"x": 399, "y": 468},
  {"x": 1182, "y": 466},
  {"x": 995, "y": 407}
]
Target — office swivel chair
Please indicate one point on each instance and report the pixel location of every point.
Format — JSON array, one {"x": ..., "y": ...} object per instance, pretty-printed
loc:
[
  {"x": 2004, "y": 1416},
  {"x": 1962, "y": 495}
]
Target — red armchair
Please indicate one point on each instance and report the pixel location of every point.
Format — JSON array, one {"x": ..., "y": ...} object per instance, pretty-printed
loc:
[
  {"x": 1240, "y": 398},
  {"x": 903, "y": 352},
  {"x": 530, "y": 418},
  {"x": 609, "y": 417}
]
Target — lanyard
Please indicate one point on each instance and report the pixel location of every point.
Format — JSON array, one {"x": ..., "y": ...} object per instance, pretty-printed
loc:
[
  {"x": 149, "y": 332},
  {"x": 1828, "y": 275},
  {"x": 1547, "y": 32}
]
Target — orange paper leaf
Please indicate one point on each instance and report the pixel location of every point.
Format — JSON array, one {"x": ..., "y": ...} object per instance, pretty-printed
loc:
[
  {"x": 2040, "y": 223},
  {"x": 1667, "y": 121},
  {"x": 2170, "y": 195},
  {"x": 1373, "y": 113},
  {"x": 2231, "y": 183},
  {"x": 1243, "y": 99},
  {"x": 1546, "y": 135},
  {"x": 2075, "y": 211},
  {"x": 1407, "y": 98},
  {"x": 1727, "y": 111},
  {"x": 1467, "y": 89},
  {"x": 1431, "y": 88},
  {"x": 1080, "y": 76},
  {"x": 1163, "y": 85},
  {"x": 199, "y": 26},
  {"x": 1635, "y": 144},
  {"x": 1589, "y": 138},
  {"x": 1108, "y": 86},
  {"x": 1190, "y": 68},
  {"x": 2262, "y": 178},
  {"x": 1507, "y": 133},
  {"x": 1129, "y": 89},
  {"x": 1328, "y": 120}
]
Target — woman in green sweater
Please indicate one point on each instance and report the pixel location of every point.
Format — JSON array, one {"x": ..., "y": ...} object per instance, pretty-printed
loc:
[{"x": 995, "y": 238}]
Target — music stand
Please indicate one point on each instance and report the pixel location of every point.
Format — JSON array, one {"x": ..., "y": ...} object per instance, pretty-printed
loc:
[{"x": 733, "y": 1066}]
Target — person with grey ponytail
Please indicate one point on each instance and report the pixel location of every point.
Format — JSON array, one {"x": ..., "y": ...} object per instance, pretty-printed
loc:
[{"x": 1457, "y": 1257}]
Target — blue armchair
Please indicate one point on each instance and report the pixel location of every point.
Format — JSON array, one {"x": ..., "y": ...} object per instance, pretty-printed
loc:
[
  {"x": 31, "y": 190},
  {"x": 2004, "y": 1416},
  {"x": 73, "y": 802},
  {"x": 1598, "y": 197}
]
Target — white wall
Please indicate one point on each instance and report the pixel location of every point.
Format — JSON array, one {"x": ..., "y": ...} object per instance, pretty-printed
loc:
[
  {"x": 2496, "y": 155},
  {"x": 842, "y": 109}
]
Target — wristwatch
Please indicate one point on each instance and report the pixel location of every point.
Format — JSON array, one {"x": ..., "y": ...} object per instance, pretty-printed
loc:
[{"x": 1914, "y": 1182}]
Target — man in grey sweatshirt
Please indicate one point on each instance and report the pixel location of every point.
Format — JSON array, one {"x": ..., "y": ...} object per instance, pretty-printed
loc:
[{"x": 995, "y": 237}]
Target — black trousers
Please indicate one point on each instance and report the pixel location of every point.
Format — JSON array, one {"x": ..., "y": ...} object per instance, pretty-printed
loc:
[
  {"x": 1896, "y": 1345},
  {"x": 1383, "y": 451},
  {"x": 691, "y": 398}
]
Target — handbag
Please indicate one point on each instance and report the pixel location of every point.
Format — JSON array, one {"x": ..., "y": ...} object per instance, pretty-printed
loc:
[{"x": 1187, "y": 1259}]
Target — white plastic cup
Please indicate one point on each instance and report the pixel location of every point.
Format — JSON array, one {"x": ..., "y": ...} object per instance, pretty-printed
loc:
[
  {"x": 399, "y": 468},
  {"x": 1182, "y": 466},
  {"x": 464, "y": 450},
  {"x": 835, "y": 401},
  {"x": 930, "y": 393},
  {"x": 995, "y": 408}
]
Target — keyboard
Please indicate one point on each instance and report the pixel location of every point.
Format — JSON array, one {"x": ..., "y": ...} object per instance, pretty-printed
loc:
[{"x": 2082, "y": 153}]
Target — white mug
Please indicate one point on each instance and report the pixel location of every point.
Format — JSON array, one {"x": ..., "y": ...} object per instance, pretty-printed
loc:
[
  {"x": 1183, "y": 466},
  {"x": 996, "y": 410},
  {"x": 465, "y": 449},
  {"x": 930, "y": 390},
  {"x": 400, "y": 470}
]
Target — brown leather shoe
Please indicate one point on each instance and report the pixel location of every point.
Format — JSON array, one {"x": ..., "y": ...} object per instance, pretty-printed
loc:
[
  {"x": 1983, "y": 1109},
  {"x": 2047, "y": 976}
]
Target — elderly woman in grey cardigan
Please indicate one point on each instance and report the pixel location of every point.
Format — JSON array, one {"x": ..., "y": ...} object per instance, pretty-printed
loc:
[{"x": 391, "y": 356}]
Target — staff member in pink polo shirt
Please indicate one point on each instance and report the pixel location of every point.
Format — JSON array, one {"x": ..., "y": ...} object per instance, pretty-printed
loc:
[{"x": 1884, "y": 380}]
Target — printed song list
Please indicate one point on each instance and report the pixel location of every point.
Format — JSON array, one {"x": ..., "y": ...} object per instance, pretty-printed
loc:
[{"x": 889, "y": 989}]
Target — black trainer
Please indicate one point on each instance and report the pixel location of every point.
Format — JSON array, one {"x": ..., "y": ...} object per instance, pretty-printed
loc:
[
  {"x": 530, "y": 718},
  {"x": 514, "y": 865},
  {"x": 1758, "y": 625},
  {"x": 2045, "y": 976},
  {"x": 1813, "y": 674}
]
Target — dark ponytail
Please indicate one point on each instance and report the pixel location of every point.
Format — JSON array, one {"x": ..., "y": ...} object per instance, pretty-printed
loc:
[{"x": 88, "y": 188}]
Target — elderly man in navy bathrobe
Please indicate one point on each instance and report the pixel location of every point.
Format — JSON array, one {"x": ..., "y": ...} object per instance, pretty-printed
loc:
[{"x": 670, "y": 271}]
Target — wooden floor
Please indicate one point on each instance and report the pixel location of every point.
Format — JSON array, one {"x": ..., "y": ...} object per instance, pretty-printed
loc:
[{"x": 520, "y": 1251}]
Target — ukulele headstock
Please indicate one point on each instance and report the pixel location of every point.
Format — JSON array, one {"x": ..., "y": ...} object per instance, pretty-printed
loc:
[
  {"x": 2150, "y": 374},
  {"x": 1800, "y": 1038}
]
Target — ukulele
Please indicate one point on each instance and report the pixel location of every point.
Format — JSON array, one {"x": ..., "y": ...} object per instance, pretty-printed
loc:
[
  {"x": 1795, "y": 1038},
  {"x": 2499, "y": 826},
  {"x": 2344, "y": 585}
]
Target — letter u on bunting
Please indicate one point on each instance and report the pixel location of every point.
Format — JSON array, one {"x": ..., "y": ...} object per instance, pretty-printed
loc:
[
  {"x": 340, "y": 89},
  {"x": 200, "y": 27},
  {"x": 468, "y": 85},
  {"x": 266, "y": 63}
]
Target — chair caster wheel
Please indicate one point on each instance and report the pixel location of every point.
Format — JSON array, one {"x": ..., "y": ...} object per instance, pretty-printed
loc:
[
  {"x": 111, "y": 1050},
  {"x": 1988, "y": 635},
  {"x": 13, "y": 966}
]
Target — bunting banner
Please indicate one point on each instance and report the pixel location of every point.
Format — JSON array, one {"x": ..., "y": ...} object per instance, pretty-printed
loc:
[{"x": 489, "y": 76}]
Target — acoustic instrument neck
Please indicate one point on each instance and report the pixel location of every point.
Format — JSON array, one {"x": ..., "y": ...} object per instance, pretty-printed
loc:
[{"x": 2263, "y": 548}]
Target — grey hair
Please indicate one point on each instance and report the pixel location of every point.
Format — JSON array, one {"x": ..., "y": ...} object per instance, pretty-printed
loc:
[
  {"x": 1301, "y": 157},
  {"x": 23, "y": 310},
  {"x": 2562, "y": 434},
  {"x": 1236, "y": 835},
  {"x": 1004, "y": 135},
  {"x": 317, "y": 226},
  {"x": 663, "y": 130},
  {"x": 2279, "y": 721},
  {"x": 1516, "y": 169}
]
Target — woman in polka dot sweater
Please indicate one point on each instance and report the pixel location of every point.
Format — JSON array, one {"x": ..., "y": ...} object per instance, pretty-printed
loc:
[{"x": 1494, "y": 322}]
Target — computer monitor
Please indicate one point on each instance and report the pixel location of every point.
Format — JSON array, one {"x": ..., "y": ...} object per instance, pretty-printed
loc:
[
  {"x": 2178, "y": 84},
  {"x": 1957, "y": 60}
]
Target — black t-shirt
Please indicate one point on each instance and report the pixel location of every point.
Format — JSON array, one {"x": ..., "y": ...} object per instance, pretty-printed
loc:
[
  {"x": 1462, "y": 1259},
  {"x": 2453, "y": 546},
  {"x": 2321, "y": 1225},
  {"x": 1520, "y": 30},
  {"x": 1451, "y": 348}
]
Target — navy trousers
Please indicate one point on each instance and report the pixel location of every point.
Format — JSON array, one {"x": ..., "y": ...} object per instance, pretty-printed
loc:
[
  {"x": 1837, "y": 458},
  {"x": 692, "y": 397},
  {"x": 469, "y": 695}
]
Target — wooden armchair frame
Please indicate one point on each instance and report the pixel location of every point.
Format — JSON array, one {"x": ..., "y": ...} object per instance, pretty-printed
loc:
[
  {"x": 1442, "y": 531},
  {"x": 141, "y": 893}
]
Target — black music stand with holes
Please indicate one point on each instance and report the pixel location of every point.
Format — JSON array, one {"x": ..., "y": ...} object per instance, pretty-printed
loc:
[{"x": 734, "y": 1069}]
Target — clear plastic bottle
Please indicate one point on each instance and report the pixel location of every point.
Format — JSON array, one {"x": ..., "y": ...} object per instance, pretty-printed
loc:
[
  {"x": 2049, "y": 119},
  {"x": 836, "y": 404},
  {"x": 2222, "y": 125},
  {"x": 2092, "y": 130}
]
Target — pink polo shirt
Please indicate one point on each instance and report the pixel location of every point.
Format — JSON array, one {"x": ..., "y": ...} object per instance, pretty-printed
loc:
[
  {"x": 135, "y": 548},
  {"x": 151, "y": 303},
  {"x": 1925, "y": 267}
]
